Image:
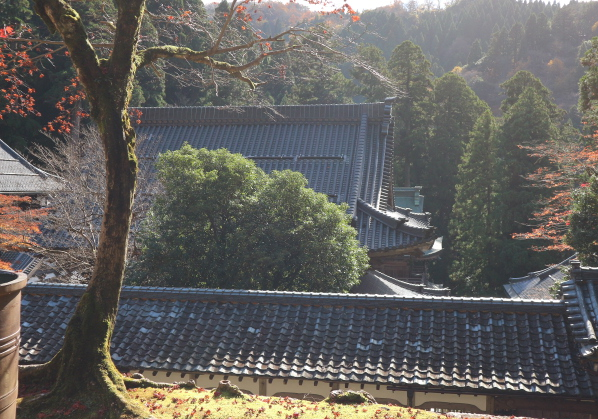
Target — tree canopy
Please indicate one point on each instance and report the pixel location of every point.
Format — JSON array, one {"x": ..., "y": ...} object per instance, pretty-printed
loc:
[{"x": 221, "y": 222}]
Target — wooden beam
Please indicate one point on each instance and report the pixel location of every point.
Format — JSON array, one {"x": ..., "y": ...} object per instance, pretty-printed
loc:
[
  {"x": 490, "y": 405},
  {"x": 263, "y": 387}
]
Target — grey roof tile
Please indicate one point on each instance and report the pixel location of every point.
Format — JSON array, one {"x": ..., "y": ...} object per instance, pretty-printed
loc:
[
  {"x": 499, "y": 345},
  {"x": 345, "y": 151},
  {"x": 374, "y": 282},
  {"x": 19, "y": 177},
  {"x": 21, "y": 262},
  {"x": 537, "y": 284}
]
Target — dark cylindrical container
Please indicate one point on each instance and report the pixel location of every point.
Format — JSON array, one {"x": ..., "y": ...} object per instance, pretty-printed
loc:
[{"x": 11, "y": 284}]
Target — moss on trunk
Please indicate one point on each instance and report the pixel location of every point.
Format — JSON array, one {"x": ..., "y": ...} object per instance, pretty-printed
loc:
[{"x": 83, "y": 369}]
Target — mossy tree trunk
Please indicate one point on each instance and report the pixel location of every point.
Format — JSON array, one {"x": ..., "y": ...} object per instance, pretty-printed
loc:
[{"x": 84, "y": 367}]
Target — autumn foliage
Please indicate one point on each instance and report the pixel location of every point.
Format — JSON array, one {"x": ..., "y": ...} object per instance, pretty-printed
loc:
[
  {"x": 570, "y": 162},
  {"x": 16, "y": 63},
  {"x": 17, "y": 223}
]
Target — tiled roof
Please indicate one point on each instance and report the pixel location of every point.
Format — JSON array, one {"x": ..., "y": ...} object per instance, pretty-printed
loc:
[
  {"x": 537, "y": 284},
  {"x": 581, "y": 297},
  {"x": 345, "y": 151},
  {"x": 374, "y": 282},
  {"x": 499, "y": 346},
  {"x": 19, "y": 177},
  {"x": 20, "y": 261}
]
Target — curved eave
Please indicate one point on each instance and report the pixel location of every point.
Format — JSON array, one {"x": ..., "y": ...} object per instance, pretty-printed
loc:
[
  {"x": 419, "y": 248},
  {"x": 544, "y": 272}
]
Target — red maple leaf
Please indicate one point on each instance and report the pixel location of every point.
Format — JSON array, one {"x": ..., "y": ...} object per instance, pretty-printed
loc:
[{"x": 6, "y": 32}]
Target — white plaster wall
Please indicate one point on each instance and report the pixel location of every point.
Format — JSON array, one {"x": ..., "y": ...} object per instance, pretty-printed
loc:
[
  {"x": 307, "y": 387},
  {"x": 292, "y": 386},
  {"x": 478, "y": 401}
]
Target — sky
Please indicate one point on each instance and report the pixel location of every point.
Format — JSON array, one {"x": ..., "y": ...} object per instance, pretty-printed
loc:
[{"x": 361, "y": 5}]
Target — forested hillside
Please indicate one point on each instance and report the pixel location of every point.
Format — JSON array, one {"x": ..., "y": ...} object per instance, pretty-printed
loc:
[
  {"x": 481, "y": 85},
  {"x": 489, "y": 40},
  {"x": 485, "y": 41}
]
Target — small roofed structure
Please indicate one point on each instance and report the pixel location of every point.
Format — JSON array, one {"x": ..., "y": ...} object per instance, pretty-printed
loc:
[
  {"x": 344, "y": 151},
  {"x": 538, "y": 284},
  {"x": 21, "y": 262},
  {"x": 409, "y": 197},
  {"x": 19, "y": 177},
  {"x": 481, "y": 355}
]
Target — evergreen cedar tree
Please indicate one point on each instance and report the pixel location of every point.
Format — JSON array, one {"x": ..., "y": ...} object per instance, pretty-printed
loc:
[
  {"x": 456, "y": 110},
  {"x": 583, "y": 220},
  {"x": 18, "y": 223},
  {"x": 410, "y": 71},
  {"x": 501, "y": 191},
  {"x": 252, "y": 230},
  {"x": 83, "y": 369},
  {"x": 474, "y": 226}
]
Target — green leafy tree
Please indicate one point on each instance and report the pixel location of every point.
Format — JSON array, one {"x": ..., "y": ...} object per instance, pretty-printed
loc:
[
  {"x": 410, "y": 70},
  {"x": 475, "y": 223},
  {"x": 221, "y": 222},
  {"x": 583, "y": 222}
]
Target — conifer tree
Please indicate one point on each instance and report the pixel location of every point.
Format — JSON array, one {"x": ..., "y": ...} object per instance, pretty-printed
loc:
[
  {"x": 516, "y": 85},
  {"x": 456, "y": 110},
  {"x": 588, "y": 84},
  {"x": 475, "y": 222},
  {"x": 475, "y": 53},
  {"x": 527, "y": 123},
  {"x": 583, "y": 222},
  {"x": 371, "y": 85},
  {"x": 498, "y": 59},
  {"x": 410, "y": 69}
]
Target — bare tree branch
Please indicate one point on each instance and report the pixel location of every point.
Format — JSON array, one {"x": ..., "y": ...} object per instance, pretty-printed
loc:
[
  {"x": 73, "y": 225},
  {"x": 202, "y": 57},
  {"x": 46, "y": 42},
  {"x": 224, "y": 26}
]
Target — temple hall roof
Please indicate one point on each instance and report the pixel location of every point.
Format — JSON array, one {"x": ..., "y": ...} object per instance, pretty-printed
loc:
[{"x": 344, "y": 151}]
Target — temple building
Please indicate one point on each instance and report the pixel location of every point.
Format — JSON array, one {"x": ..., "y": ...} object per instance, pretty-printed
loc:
[{"x": 344, "y": 151}]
